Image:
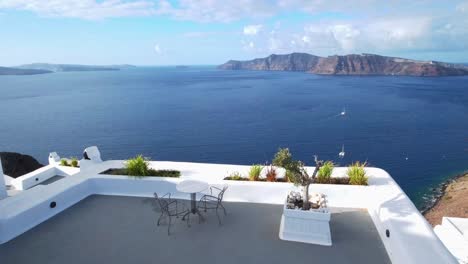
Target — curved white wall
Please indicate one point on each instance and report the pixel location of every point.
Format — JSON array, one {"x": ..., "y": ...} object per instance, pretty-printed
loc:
[{"x": 411, "y": 238}]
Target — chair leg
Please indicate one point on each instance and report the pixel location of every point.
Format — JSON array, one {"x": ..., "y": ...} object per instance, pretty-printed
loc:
[
  {"x": 169, "y": 227},
  {"x": 217, "y": 214},
  {"x": 224, "y": 209},
  {"x": 159, "y": 219}
]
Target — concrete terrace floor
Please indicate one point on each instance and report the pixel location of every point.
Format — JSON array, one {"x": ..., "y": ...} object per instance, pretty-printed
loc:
[{"x": 115, "y": 229}]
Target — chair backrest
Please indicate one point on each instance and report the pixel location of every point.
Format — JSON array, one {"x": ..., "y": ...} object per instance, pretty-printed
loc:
[
  {"x": 162, "y": 203},
  {"x": 221, "y": 194}
]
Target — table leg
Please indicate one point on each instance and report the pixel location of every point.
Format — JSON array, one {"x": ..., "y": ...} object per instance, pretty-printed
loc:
[
  {"x": 193, "y": 197},
  {"x": 194, "y": 208}
]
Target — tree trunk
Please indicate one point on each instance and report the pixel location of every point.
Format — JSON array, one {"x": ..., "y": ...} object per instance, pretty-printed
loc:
[{"x": 305, "y": 198}]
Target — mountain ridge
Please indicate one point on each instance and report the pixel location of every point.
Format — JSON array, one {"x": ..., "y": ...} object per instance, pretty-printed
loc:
[
  {"x": 18, "y": 71},
  {"x": 72, "y": 67},
  {"x": 352, "y": 64}
]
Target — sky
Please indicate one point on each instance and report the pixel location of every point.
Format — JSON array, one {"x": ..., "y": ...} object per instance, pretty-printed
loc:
[{"x": 210, "y": 32}]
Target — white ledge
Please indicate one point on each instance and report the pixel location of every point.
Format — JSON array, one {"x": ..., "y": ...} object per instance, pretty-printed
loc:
[{"x": 411, "y": 239}]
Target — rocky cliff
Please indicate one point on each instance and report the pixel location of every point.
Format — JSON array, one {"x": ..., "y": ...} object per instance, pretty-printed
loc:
[
  {"x": 16, "y": 164},
  {"x": 354, "y": 64}
]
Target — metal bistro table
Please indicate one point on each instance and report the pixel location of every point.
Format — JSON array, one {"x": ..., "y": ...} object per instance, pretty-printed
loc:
[{"x": 192, "y": 187}]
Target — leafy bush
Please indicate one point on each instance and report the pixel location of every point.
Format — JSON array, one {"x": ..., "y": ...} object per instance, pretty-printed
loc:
[
  {"x": 271, "y": 174},
  {"x": 236, "y": 176},
  {"x": 297, "y": 172},
  {"x": 357, "y": 173},
  {"x": 74, "y": 162},
  {"x": 254, "y": 173},
  {"x": 64, "y": 162},
  {"x": 137, "y": 166},
  {"x": 325, "y": 172},
  {"x": 289, "y": 176}
]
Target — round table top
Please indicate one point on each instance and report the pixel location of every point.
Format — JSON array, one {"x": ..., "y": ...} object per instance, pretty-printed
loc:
[{"x": 191, "y": 186}]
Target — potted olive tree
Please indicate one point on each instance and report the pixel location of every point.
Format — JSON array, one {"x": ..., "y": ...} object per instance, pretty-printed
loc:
[{"x": 301, "y": 222}]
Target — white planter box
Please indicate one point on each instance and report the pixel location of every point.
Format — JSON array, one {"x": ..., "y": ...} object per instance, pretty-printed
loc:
[{"x": 311, "y": 226}]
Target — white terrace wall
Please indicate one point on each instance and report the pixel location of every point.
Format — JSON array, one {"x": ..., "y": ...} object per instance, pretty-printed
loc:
[
  {"x": 411, "y": 239},
  {"x": 3, "y": 191},
  {"x": 40, "y": 175},
  {"x": 33, "y": 178}
]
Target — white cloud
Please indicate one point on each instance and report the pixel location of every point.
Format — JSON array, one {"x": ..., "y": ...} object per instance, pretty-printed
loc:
[
  {"x": 157, "y": 49},
  {"x": 463, "y": 7},
  {"x": 249, "y": 46},
  {"x": 345, "y": 35},
  {"x": 216, "y": 11},
  {"x": 85, "y": 9},
  {"x": 252, "y": 30},
  {"x": 385, "y": 35}
]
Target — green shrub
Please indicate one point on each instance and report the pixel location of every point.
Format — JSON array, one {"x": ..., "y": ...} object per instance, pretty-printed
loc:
[
  {"x": 64, "y": 162},
  {"x": 137, "y": 166},
  {"x": 254, "y": 173},
  {"x": 236, "y": 176},
  {"x": 325, "y": 172},
  {"x": 357, "y": 173},
  {"x": 74, "y": 162},
  {"x": 282, "y": 158},
  {"x": 289, "y": 176}
]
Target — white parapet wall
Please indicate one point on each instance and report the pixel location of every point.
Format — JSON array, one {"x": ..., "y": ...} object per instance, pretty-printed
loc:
[
  {"x": 407, "y": 236},
  {"x": 40, "y": 175},
  {"x": 3, "y": 191}
]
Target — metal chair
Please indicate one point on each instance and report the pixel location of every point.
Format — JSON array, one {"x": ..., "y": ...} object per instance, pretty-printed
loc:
[
  {"x": 212, "y": 201},
  {"x": 169, "y": 208}
]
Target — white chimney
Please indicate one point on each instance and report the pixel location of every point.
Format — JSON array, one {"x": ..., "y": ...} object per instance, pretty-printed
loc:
[{"x": 3, "y": 191}]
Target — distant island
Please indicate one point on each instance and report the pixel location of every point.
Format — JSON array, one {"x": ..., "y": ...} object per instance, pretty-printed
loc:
[
  {"x": 72, "y": 67},
  {"x": 41, "y": 68},
  {"x": 16, "y": 71},
  {"x": 353, "y": 64}
]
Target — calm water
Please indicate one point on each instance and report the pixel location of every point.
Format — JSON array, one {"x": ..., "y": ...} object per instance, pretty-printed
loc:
[{"x": 415, "y": 128}]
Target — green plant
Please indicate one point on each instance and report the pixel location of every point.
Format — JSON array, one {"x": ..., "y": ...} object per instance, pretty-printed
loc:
[
  {"x": 289, "y": 176},
  {"x": 64, "y": 162},
  {"x": 357, "y": 173},
  {"x": 298, "y": 173},
  {"x": 325, "y": 172},
  {"x": 137, "y": 166},
  {"x": 74, "y": 162},
  {"x": 236, "y": 176},
  {"x": 254, "y": 172}
]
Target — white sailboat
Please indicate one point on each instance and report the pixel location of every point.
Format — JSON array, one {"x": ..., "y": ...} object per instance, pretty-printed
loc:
[
  {"x": 342, "y": 153},
  {"x": 343, "y": 112}
]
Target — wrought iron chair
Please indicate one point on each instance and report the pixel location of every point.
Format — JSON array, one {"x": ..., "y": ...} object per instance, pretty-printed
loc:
[
  {"x": 169, "y": 208},
  {"x": 212, "y": 201}
]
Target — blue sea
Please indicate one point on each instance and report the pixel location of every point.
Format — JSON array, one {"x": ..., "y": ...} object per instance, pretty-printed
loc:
[{"x": 415, "y": 128}]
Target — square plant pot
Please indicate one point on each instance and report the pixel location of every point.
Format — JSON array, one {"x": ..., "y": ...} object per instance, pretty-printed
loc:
[{"x": 311, "y": 226}]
